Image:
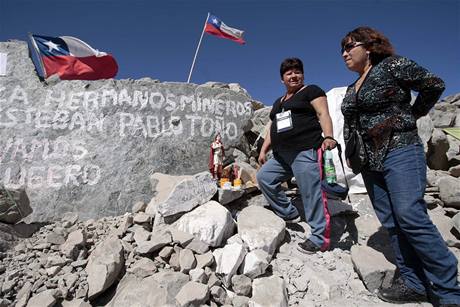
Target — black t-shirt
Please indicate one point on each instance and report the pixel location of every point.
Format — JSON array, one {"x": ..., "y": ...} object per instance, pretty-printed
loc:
[{"x": 306, "y": 131}]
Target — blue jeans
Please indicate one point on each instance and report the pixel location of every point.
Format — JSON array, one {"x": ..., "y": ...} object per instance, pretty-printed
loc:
[
  {"x": 421, "y": 254},
  {"x": 306, "y": 168}
]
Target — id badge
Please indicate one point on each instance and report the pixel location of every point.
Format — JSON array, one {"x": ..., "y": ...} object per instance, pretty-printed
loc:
[{"x": 283, "y": 121}]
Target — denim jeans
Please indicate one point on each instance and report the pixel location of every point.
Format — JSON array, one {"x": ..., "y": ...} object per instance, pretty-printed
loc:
[
  {"x": 422, "y": 256},
  {"x": 306, "y": 167}
]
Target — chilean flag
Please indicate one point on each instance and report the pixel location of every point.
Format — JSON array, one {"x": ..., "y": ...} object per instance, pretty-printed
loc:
[
  {"x": 73, "y": 59},
  {"x": 216, "y": 27}
]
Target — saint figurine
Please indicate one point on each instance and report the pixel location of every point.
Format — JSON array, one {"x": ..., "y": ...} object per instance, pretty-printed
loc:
[{"x": 216, "y": 157}]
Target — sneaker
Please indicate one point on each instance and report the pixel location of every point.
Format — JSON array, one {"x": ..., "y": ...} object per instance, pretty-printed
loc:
[
  {"x": 399, "y": 293},
  {"x": 294, "y": 220},
  {"x": 308, "y": 247}
]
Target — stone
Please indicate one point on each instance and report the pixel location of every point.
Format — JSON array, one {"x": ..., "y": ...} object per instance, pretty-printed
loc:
[
  {"x": 192, "y": 294},
  {"x": 142, "y": 217},
  {"x": 156, "y": 242},
  {"x": 46, "y": 298},
  {"x": 55, "y": 238},
  {"x": 240, "y": 301},
  {"x": 144, "y": 267},
  {"x": 211, "y": 223},
  {"x": 198, "y": 246},
  {"x": 269, "y": 291},
  {"x": 70, "y": 217},
  {"x": 372, "y": 267},
  {"x": 204, "y": 260},
  {"x": 226, "y": 197},
  {"x": 142, "y": 292},
  {"x": 166, "y": 252},
  {"x": 14, "y": 205},
  {"x": 139, "y": 207},
  {"x": 260, "y": 228},
  {"x": 23, "y": 295},
  {"x": 140, "y": 234},
  {"x": 187, "y": 260},
  {"x": 255, "y": 263},
  {"x": 425, "y": 129},
  {"x": 178, "y": 195},
  {"x": 229, "y": 260},
  {"x": 171, "y": 281},
  {"x": 219, "y": 295},
  {"x": 437, "y": 149},
  {"x": 443, "y": 115},
  {"x": 454, "y": 171},
  {"x": 75, "y": 303},
  {"x": 444, "y": 225},
  {"x": 104, "y": 265},
  {"x": 75, "y": 240},
  {"x": 242, "y": 285},
  {"x": 198, "y": 275},
  {"x": 181, "y": 237},
  {"x": 449, "y": 191},
  {"x": 104, "y": 133}
]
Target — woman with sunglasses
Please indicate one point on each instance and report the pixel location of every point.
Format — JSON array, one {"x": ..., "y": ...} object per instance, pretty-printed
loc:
[{"x": 378, "y": 104}]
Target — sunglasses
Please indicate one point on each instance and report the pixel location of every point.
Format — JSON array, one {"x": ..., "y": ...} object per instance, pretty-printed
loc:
[{"x": 349, "y": 46}]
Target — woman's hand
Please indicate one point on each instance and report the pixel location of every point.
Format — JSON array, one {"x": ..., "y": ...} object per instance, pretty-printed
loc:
[
  {"x": 262, "y": 158},
  {"x": 328, "y": 143}
]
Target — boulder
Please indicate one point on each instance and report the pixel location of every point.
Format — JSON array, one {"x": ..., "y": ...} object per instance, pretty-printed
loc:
[
  {"x": 211, "y": 223},
  {"x": 193, "y": 294},
  {"x": 47, "y": 298},
  {"x": 269, "y": 291},
  {"x": 437, "y": 149},
  {"x": 255, "y": 263},
  {"x": 449, "y": 191},
  {"x": 182, "y": 194},
  {"x": 371, "y": 266},
  {"x": 261, "y": 229},
  {"x": 229, "y": 259},
  {"x": 14, "y": 205},
  {"x": 82, "y": 145},
  {"x": 104, "y": 265}
]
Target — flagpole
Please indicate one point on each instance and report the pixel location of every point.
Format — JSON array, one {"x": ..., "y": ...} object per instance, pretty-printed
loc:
[
  {"x": 37, "y": 54},
  {"x": 197, "y": 48}
]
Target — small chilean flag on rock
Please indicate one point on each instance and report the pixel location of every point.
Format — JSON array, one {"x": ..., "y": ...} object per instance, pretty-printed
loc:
[
  {"x": 73, "y": 59},
  {"x": 216, "y": 27}
]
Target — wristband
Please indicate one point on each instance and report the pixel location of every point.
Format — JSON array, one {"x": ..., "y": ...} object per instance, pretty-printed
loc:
[{"x": 330, "y": 138}]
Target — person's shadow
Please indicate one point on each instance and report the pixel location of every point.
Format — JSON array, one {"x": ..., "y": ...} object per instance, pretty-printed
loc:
[{"x": 343, "y": 231}]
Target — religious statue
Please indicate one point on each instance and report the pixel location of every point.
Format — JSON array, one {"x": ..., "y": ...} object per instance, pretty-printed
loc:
[{"x": 216, "y": 157}]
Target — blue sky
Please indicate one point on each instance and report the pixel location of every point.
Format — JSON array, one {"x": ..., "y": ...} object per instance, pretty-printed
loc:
[{"x": 158, "y": 38}]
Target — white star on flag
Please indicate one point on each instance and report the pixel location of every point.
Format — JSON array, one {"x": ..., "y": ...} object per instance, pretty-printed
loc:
[
  {"x": 214, "y": 21},
  {"x": 51, "y": 46}
]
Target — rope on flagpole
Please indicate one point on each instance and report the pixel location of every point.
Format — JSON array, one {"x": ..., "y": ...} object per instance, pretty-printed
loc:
[{"x": 197, "y": 48}]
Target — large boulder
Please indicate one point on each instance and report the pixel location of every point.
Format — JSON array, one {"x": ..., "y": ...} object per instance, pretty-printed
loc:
[
  {"x": 212, "y": 223},
  {"x": 104, "y": 265},
  {"x": 89, "y": 146},
  {"x": 260, "y": 228},
  {"x": 14, "y": 205},
  {"x": 269, "y": 291},
  {"x": 179, "y": 194}
]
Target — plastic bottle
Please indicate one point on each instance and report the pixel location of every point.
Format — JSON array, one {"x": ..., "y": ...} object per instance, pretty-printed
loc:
[{"x": 329, "y": 168}]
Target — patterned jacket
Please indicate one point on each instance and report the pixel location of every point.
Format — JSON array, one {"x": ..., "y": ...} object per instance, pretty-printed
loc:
[{"x": 381, "y": 109}]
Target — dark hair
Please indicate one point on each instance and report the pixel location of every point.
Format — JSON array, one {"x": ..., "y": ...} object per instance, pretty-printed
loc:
[
  {"x": 290, "y": 63},
  {"x": 375, "y": 42}
]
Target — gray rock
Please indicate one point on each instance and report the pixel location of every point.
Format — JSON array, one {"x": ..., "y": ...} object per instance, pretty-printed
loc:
[
  {"x": 219, "y": 295},
  {"x": 104, "y": 266},
  {"x": 55, "y": 238},
  {"x": 443, "y": 115},
  {"x": 14, "y": 205},
  {"x": 242, "y": 285},
  {"x": 269, "y": 291},
  {"x": 75, "y": 303},
  {"x": 225, "y": 197},
  {"x": 89, "y": 137},
  {"x": 240, "y": 301},
  {"x": 255, "y": 263},
  {"x": 261, "y": 229},
  {"x": 142, "y": 292},
  {"x": 437, "y": 149},
  {"x": 23, "y": 295},
  {"x": 180, "y": 237},
  {"x": 171, "y": 281},
  {"x": 139, "y": 207},
  {"x": 192, "y": 294},
  {"x": 142, "y": 268},
  {"x": 198, "y": 275},
  {"x": 204, "y": 260},
  {"x": 156, "y": 242},
  {"x": 444, "y": 225},
  {"x": 70, "y": 217},
  {"x": 187, "y": 260},
  {"x": 142, "y": 217},
  {"x": 198, "y": 246},
  {"x": 182, "y": 194},
  {"x": 229, "y": 259},
  {"x": 371, "y": 266},
  {"x": 425, "y": 129},
  {"x": 166, "y": 252},
  {"x": 75, "y": 240},
  {"x": 46, "y": 298},
  {"x": 449, "y": 191},
  {"x": 211, "y": 223}
]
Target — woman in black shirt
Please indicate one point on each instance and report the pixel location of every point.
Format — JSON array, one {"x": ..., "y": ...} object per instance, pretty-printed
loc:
[{"x": 297, "y": 121}]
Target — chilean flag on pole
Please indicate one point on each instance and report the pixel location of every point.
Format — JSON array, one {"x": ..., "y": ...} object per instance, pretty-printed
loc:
[
  {"x": 216, "y": 27},
  {"x": 73, "y": 59}
]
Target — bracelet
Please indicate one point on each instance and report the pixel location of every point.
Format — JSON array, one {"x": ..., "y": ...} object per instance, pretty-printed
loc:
[{"x": 330, "y": 138}]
